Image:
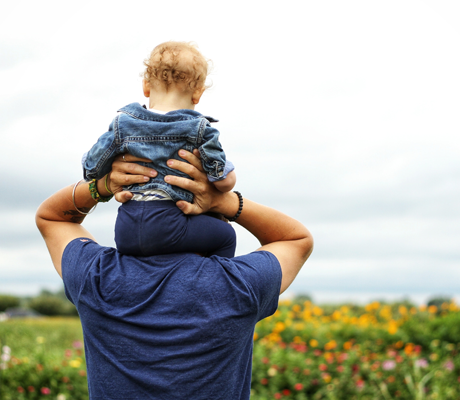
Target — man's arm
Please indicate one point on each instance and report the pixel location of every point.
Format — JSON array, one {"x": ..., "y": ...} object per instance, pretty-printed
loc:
[
  {"x": 283, "y": 236},
  {"x": 59, "y": 221}
]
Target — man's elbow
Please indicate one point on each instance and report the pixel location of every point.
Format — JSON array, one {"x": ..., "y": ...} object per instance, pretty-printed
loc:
[{"x": 307, "y": 246}]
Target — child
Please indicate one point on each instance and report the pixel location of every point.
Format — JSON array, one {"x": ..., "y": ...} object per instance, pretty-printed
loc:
[{"x": 151, "y": 223}]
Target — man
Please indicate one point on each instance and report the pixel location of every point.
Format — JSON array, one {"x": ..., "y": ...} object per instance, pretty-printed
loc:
[{"x": 176, "y": 326}]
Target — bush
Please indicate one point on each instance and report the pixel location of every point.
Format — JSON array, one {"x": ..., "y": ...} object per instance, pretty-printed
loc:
[
  {"x": 7, "y": 301},
  {"x": 48, "y": 305}
]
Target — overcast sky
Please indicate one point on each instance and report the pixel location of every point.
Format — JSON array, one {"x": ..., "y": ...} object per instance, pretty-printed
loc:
[{"x": 342, "y": 114}]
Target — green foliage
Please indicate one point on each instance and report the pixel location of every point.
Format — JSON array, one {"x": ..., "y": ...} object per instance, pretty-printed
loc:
[
  {"x": 53, "y": 304},
  {"x": 7, "y": 301},
  {"x": 42, "y": 359}
]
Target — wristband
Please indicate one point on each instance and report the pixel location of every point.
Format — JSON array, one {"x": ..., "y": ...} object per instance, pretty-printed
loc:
[
  {"x": 106, "y": 187},
  {"x": 240, "y": 198},
  {"x": 95, "y": 194}
]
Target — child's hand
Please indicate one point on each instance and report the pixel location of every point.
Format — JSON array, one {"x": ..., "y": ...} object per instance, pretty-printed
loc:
[
  {"x": 125, "y": 172},
  {"x": 227, "y": 184}
]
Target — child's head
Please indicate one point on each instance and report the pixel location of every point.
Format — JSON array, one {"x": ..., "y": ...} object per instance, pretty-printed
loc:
[{"x": 177, "y": 66}]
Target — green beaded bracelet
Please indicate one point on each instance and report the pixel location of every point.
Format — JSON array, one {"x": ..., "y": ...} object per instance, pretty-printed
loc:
[{"x": 95, "y": 194}]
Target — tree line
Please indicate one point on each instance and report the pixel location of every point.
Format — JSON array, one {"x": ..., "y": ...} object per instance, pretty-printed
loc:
[{"x": 46, "y": 303}]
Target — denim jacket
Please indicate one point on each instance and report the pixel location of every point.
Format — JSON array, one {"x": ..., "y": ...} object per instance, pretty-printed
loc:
[{"x": 158, "y": 137}]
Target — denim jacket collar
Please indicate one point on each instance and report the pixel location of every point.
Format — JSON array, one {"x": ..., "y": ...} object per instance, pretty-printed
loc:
[{"x": 139, "y": 112}]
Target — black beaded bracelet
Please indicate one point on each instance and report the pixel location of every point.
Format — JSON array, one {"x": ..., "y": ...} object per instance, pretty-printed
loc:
[{"x": 240, "y": 207}]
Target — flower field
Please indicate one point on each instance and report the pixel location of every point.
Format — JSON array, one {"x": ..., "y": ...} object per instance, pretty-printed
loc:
[
  {"x": 304, "y": 351},
  {"x": 378, "y": 351}
]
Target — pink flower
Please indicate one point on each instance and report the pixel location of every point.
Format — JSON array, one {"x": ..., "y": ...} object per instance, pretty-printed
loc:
[
  {"x": 391, "y": 353},
  {"x": 449, "y": 365},
  {"x": 278, "y": 396},
  {"x": 77, "y": 344},
  {"x": 422, "y": 363},
  {"x": 45, "y": 390},
  {"x": 360, "y": 384},
  {"x": 388, "y": 365}
]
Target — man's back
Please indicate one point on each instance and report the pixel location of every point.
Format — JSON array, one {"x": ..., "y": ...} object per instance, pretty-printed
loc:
[{"x": 170, "y": 327}]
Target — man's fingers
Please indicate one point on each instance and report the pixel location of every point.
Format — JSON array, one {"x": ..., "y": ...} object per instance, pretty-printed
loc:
[
  {"x": 123, "y": 197},
  {"x": 184, "y": 183},
  {"x": 188, "y": 208},
  {"x": 133, "y": 169},
  {"x": 124, "y": 179},
  {"x": 192, "y": 158},
  {"x": 130, "y": 158}
]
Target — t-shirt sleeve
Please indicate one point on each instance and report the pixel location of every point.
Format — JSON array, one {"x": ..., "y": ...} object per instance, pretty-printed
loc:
[
  {"x": 77, "y": 259},
  {"x": 262, "y": 271}
]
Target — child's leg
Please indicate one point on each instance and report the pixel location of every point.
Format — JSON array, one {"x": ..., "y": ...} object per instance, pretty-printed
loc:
[
  {"x": 159, "y": 227},
  {"x": 210, "y": 236}
]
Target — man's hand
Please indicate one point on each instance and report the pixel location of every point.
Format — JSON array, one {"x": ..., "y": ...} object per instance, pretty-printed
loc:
[
  {"x": 126, "y": 172},
  {"x": 206, "y": 196}
]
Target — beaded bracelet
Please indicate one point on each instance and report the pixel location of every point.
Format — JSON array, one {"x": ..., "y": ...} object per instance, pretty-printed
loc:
[
  {"x": 240, "y": 198},
  {"x": 95, "y": 194}
]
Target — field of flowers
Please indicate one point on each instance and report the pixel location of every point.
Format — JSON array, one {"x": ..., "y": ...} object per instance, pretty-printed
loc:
[{"x": 304, "y": 351}]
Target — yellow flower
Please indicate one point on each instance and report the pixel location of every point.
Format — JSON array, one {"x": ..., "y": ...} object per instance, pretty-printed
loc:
[
  {"x": 432, "y": 309},
  {"x": 385, "y": 312},
  {"x": 336, "y": 315},
  {"x": 317, "y": 311},
  {"x": 279, "y": 327},
  {"x": 433, "y": 357},
  {"x": 271, "y": 372},
  {"x": 40, "y": 339},
  {"x": 296, "y": 308},
  {"x": 344, "y": 309},
  {"x": 392, "y": 327},
  {"x": 256, "y": 336},
  {"x": 347, "y": 345},
  {"x": 75, "y": 363},
  {"x": 402, "y": 310},
  {"x": 313, "y": 343},
  {"x": 330, "y": 345}
]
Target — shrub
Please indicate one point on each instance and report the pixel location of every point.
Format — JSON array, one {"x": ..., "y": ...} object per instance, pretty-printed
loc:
[{"x": 7, "y": 301}]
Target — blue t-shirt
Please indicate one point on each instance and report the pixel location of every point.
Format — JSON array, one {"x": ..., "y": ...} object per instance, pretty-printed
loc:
[{"x": 176, "y": 326}]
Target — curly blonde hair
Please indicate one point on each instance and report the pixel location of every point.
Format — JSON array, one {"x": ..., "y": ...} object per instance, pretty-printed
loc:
[{"x": 178, "y": 63}]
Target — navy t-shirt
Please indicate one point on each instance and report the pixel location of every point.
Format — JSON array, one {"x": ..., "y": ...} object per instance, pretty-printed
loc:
[{"x": 175, "y": 326}]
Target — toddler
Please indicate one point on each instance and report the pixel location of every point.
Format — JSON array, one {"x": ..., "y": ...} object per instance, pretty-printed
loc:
[{"x": 151, "y": 223}]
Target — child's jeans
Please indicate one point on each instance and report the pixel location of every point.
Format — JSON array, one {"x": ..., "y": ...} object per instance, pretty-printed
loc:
[{"x": 147, "y": 228}]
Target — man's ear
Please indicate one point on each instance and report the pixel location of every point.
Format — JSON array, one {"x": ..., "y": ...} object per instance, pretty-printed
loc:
[
  {"x": 146, "y": 88},
  {"x": 196, "y": 96}
]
